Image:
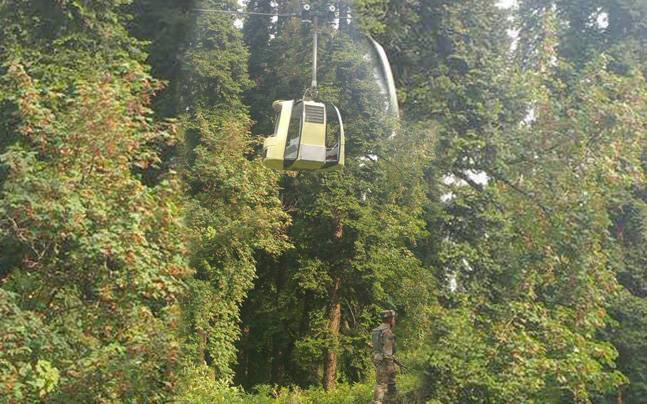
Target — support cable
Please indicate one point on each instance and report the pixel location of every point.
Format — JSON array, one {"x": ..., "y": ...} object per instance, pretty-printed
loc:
[{"x": 239, "y": 12}]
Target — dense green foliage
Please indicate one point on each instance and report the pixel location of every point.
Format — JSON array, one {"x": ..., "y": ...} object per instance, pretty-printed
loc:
[
  {"x": 531, "y": 252},
  {"x": 147, "y": 255},
  {"x": 616, "y": 31},
  {"x": 352, "y": 232},
  {"x": 89, "y": 252}
]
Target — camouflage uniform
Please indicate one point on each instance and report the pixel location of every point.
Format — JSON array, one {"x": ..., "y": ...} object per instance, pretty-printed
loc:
[{"x": 383, "y": 351}]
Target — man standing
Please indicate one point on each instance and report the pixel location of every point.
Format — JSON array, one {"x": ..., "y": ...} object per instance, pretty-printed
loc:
[{"x": 383, "y": 357}]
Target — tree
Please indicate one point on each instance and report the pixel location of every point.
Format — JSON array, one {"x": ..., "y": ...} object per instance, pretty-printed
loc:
[
  {"x": 232, "y": 210},
  {"x": 93, "y": 254},
  {"x": 353, "y": 229},
  {"x": 456, "y": 68},
  {"x": 616, "y": 29}
]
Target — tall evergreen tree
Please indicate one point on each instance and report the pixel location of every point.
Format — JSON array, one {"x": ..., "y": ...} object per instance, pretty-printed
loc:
[
  {"x": 258, "y": 30},
  {"x": 233, "y": 208},
  {"x": 352, "y": 230}
]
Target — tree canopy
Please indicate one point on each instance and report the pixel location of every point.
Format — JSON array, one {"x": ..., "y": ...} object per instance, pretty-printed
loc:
[{"x": 147, "y": 255}]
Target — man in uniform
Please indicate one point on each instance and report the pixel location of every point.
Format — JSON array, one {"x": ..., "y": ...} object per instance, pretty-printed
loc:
[{"x": 383, "y": 357}]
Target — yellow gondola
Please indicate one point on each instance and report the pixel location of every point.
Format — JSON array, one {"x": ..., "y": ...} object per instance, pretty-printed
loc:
[
  {"x": 309, "y": 135},
  {"x": 306, "y": 137}
]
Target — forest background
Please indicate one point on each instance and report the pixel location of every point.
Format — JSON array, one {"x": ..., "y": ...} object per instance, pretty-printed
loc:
[{"x": 147, "y": 255}]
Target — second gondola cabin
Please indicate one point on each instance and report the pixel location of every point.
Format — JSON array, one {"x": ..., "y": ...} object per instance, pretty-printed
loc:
[{"x": 308, "y": 135}]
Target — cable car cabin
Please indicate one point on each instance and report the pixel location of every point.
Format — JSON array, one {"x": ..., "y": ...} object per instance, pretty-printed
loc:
[{"x": 306, "y": 137}]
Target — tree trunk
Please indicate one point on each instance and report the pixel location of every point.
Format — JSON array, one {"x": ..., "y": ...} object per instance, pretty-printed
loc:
[
  {"x": 330, "y": 355},
  {"x": 334, "y": 321},
  {"x": 278, "y": 360}
]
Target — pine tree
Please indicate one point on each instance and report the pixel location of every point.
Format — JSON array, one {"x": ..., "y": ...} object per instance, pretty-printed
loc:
[
  {"x": 257, "y": 32},
  {"x": 233, "y": 208},
  {"x": 352, "y": 230}
]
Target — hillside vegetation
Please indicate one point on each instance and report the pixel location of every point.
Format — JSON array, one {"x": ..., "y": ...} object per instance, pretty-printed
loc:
[{"x": 147, "y": 255}]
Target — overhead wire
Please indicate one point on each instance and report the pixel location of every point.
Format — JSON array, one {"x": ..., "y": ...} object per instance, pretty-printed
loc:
[{"x": 239, "y": 12}]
